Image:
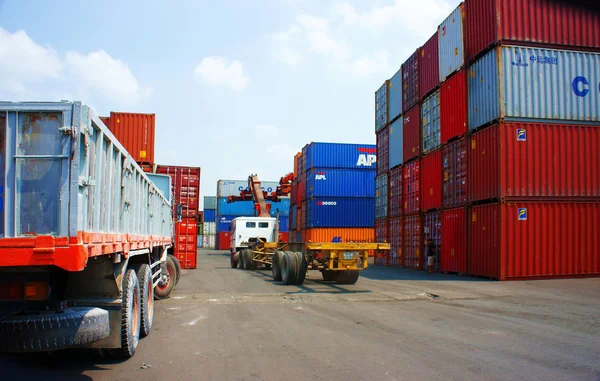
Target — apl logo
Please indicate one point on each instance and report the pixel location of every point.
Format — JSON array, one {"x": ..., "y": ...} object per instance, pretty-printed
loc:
[
  {"x": 320, "y": 176},
  {"x": 522, "y": 212},
  {"x": 367, "y": 157},
  {"x": 581, "y": 86},
  {"x": 520, "y": 60},
  {"x": 521, "y": 135}
]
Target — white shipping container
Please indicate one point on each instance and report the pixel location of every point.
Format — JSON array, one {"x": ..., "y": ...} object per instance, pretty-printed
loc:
[
  {"x": 226, "y": 188},
  {"x": 208, "y": 241},
  {"x": 210, "y": 228}
]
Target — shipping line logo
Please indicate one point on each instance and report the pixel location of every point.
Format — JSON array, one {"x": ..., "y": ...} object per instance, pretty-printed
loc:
[
  {"x": 320, "y": 176},
  {"x": 521, "y": 135},
  {"x": 326, "y": 203},
  {"x": 581, "y": 86},
  {"x": 268, "y": 189},
  {"x": 522, "y": 213},
  {"x": 367, "y": 157},
  {"x": 519, "y": 60}
]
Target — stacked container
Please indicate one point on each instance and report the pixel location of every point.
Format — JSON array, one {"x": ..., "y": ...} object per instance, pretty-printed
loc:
[{"x": 209, "y": 233}]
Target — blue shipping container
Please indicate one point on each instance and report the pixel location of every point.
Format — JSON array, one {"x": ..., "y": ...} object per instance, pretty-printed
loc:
[
  {"x": 395, "y": 95},
  {"x": 322, "y": 182},
  {"x": 534, "y": 84},
  {"x": 451, "y": 43},
  {"x": 332, "y": 212},
  {"x": 224, "y": 222},
  {"x": 339, "y": 155},
  {"x": 210, "y": 215},
  {"x": 395, "y": 144},
  {"x": 246, "y": 208},
  {"x": 284, "y": 225},
  {"x": 293, "y": 214},
  {"x": 282, "y": 206}
]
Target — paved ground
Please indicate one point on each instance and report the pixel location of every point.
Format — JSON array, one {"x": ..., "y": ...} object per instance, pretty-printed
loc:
[{"x": 226, "y": 324}]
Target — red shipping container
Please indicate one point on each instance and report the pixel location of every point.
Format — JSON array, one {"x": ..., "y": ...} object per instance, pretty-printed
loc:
[
  {"x": 534, "y": 22},
  {"x": 431, "y": 181},
  {"x": 284, "y": 236},
  {"x": 534, "y": 160},
  {"x": 411, "y": 133},
  {"x": 223, "y": 241},
  {"x": 395, "y": 204},
  {"x": 534, "y": 240},
  {"x": 395, "y": 232},
  {"x": 454, "y": 241},
  {"x": 381, "y": 231},
  {"x": 186, "y": 242},
  {"x": 411, "y": 242},
  {"x": 383, "y": 145},
  {"x": 429, "y": 66},
  {"x": 294, "y": 192},
  {"x": 410, "y": 81},
  {"x": 411, "y": 187},
  {"x": 185, "y": 182},
  {"x": 105, "y": 120},
  {"x": 302, "y": 188},
  {"x": 453, "y": 107},
  {"x": 136, "y": 133},
  {"x": 432, "y": 239},
  {"x": 454, "y": 168}
]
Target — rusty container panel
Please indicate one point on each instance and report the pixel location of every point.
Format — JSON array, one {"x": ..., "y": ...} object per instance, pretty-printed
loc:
[
  {"x": 395, "y": 231},
  {"x": 452, "y": 51},
  {"x": 453, "y": 107},
  {"x": 360, "y": 235},
  {"x": 186, "y": 188},
  {"x": 431, "y": 181},
  {"x": 411, "y": 186},
  {"x": 383, "y": 146},
  {"x": 395, "y": 204},
  {"x": 412, "y": 241},
  {"x": 294, "y": 192},
  {"x": 534, "y": 240},
  {"x": 136, "y": 132},
  {"x": 454, "y": 237},
  {"x": 533, "y": 22},
  {"x": 455, "y": 169},
  {"x": 429, "y": 66},
  {"x": 411, "y": 133},
  {"x": 302, "y": 188},
  {"x": 381, "y": 231},
  {"x": 410, "y": 81},
  {"x": 186, "y": 241},
  {"x": 534, "y": 160},
  {"x": 432, "y": 240}
]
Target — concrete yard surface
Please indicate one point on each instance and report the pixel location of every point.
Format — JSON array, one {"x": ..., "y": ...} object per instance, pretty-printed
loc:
[{"x": 394, "y": 324}]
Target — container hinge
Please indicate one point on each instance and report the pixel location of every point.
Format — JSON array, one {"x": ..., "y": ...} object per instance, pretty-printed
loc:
[
  {"x": 68, "y": 130},
  {"x": 86, "y": 181}
]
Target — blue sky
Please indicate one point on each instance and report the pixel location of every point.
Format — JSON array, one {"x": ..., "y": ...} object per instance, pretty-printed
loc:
[{"x": 238, "y": 87}]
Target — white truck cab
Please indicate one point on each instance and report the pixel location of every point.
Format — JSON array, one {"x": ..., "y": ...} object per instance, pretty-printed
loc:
[{"x": 247, "y": 230}]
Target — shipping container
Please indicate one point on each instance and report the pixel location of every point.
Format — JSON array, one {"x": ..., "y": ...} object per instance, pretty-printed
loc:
[
  {"x": 455, "y": 169},
  {"x": 226, "y": 188},
  {"x": 294, "y": 192},
  {"x": 532, "y": 22},
  {"x": 223, "y": 241},
  {"x": 431, "y": 181},
  {"x": 429, "y": 66},
  {"x": 301, "y": 188},
  {"x": 430, "y": 115},
  {"x": 340, "y": 155},
  {"x": 148, "y": 168},
  {"x": 410, "y": 82},
  {"x": 452, "y": 51},
  {"x": 105, "y": 120},
  {"x": 395, "y": 96},
  {"x": 534, "y": 240},
  {"x": 136, "y": 133},
  {"x": 293, "y": 218},
  {"x": 186, "y": 188},
  {"x": 453, "y": 107},
  {"x": 284, "y": 225},
  {"x": 323, "y": 182},
  {"x": 360, "y": 235},
  {"x": 381, "y": 197},
  {"x": 223, "y": 223},
  {"x": 381, "y": 107},
  {"x": 519, "y": 83},
  {"x": 209, "y": 215},
  {"x": 432, "y": 240},
  {"x": 395, "y": 145},
  {"x": 395, "y": 231},
  {"x": 411, "y": 187},
  {"x": 186, "y": 242},
  {"x": 381, "y": 231},
  {"x": 209, "y": 241},
  {"x": 302, "y": 212},
  {"x": 411, "y": 133},
  {"x": 382, "y": 145},
  {"x": 412, "y": 242},
  {"x": 209, "y": 228},
  {"x": 210, "y": 202},
  {"x": 282, "y": 207},
  {"x": 395, "y": 203},
  {"x": 247, "y": 208},
  {"x": 454, "y": 241},
  {"x": 332, "y": 212},
  {"x": 200, "y": 241},
  {"x": 524, "y": 160},
  {"x": 297, "y": 158}
]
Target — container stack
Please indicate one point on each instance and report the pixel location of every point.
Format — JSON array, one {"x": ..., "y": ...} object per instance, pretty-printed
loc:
[
  {"x": 500, "y": 150},
  {"x": 333, "y": 196},
  {"x": 209, "y": 228}
]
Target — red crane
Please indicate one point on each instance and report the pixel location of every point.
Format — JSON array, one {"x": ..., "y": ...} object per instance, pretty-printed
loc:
[{"x": 255, "y": 193}]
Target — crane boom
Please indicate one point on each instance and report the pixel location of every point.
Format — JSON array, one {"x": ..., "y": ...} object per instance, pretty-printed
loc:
[{"x": 261, "y": 206}]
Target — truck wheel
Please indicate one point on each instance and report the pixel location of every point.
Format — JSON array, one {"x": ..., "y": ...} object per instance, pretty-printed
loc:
[
  {"x": 144, "y": 275},
  {"x": 248, "y": 263},
  {"x": 289, "y": 268},
  {"x": 49, "y": 331},
  {"x": 329, "y": 276},
  {"x": 130, "y": 316},
  {"x": 241, "y": 259},
  {"x": 348, "y": 277},
  {"x": 253, "y": 264},
  {"x": 177, "y": 268},
  {"x": 232, "y": 261},
  {"x": 166, "y": 281},
  {"x": 276, "y": 266},
  {"x": 302, "y": 268}
]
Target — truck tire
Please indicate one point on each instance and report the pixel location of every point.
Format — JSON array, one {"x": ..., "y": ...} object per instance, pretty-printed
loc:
[
  {"x": 130, "y": 316},
  {"x": 241, "y": 259},
  {"x": 329, "y": 276},
  {"x": 167, "y": 281},
  {"x": 144, "y": 275},
  {"x": 302, "y": 268},
  {"x": 46, "y": 332},
  {"x": 276, "y": 266},
  {"x": 289, "y": 268},
  {"x": 177, "y": 268},
  {"x": 232, "y": 261},
  {"x": 253, "y": 265},
  {"x": 248, "y": 262},
  {"x": 348, "y": 276}
]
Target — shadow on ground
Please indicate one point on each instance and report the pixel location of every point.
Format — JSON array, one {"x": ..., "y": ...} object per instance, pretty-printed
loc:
[{"x": 394, "y": 273}]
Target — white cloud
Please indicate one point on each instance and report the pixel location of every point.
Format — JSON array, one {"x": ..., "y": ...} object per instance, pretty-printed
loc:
[
  {"x": 267, "y": 130},
  {"x": 318, "y": 35},
  {"x": 284, "y": 52},
  {"x": 377, "y": 63},
  {"x": 111, "y": 77},
  {"x": 219, "y": 71}
]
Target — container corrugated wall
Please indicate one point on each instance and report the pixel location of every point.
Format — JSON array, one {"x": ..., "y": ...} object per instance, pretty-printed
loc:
[
  {"x": 227, "y": 188},
  {"x": 431, "y": 181},
  {"x": 210, "y": 202},
  {"x": 186, "y": 242},
  {"x": 411, "y": 133},
  {"x": 209, "y": 215},
  {"x": 381, "y": 197},
  {"x": 453, "y": 107},
  {"x": 301, "y": 188},
  {"x": 531, "y": 83},
  {"x": 429, "y": 76},
  {"x": 185, "y": 186},
  {"x": 209, "y": 228},
  {"x": 136, "y": 132},
  {"x": 411, "y": 187},
  {"x": 360, "y": 235},
  {"x": 410, "y": 82},
  {"x": 381, "y": 111},
  {"x": 395, "y": 96},
  {"x": 326, "y": 182},
  {"x": 530, "y": 21},
  {"x": 237, "y": 208},
  {"x": 383, "y": 151},
  {"x": 224, "y": 222},
  {"x": 455, "y": 171},
  {"x": 327, "y": 212},
  {"x": 293, "y": 217},
  {"x": 396, "y": 233},
  {"x": 430, "y": 119},
  {"x": 518, "y": 160},
  {"x": 381, "y": 231},
  {"x": 534, "y": 239},
  {"x": 454, "y": 238},
  {"x": 452, "y": 52},
  {"x": 411, "y": 242},
  {"x": 339, "y": 155},
  {"x": 432, "y": 239},
  {"x": 395, "y": 203},
  {"x": 105, "y": 120},
  {"x": 395, "y": 145}
]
